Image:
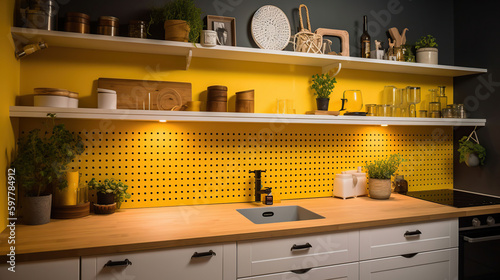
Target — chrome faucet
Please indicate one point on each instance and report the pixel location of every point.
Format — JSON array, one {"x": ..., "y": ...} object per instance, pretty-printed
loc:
[{"x": 258, "y": 184}]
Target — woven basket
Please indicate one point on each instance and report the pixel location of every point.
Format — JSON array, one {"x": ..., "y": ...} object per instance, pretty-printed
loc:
[{"x": 305, "y": 40}]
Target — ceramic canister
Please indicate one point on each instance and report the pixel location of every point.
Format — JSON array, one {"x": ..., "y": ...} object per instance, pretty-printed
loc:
[
  {"x": 344, "y": 185},
  {"x": 106, "y": 99},
  {"x": 208, "y": 38}
]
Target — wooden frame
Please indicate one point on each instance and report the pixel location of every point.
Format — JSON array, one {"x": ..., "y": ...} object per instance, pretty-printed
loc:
[{"x": 226, "y": 35}]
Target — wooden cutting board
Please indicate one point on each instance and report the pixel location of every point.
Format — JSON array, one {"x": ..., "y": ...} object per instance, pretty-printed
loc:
[{"x": 148, "y": 95}]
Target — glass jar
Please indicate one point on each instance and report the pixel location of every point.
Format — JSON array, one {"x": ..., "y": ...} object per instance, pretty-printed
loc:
[
  {"x": 422, "y": 114},
  {"x": 371, "y": 109},
  {"x": 137, "y": 29},
  {"x": 447, "y": 113}
]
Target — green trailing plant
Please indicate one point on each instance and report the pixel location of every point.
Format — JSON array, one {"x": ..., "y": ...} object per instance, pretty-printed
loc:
[
  {"x": 113, "y": 186},
  {"x": 179, "y": 10},
  {"x": 426, "y": 42},
  {"x": 466, "y": 147},
  {"x": 384, "y": 168},
  {"x": 408, "y": 53},
  {"x": 323, "y": 85},
  {"x": 42, "y": 159}
]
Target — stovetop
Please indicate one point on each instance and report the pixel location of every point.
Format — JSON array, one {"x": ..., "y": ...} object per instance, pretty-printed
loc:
[{"x": 455, "y": 198}]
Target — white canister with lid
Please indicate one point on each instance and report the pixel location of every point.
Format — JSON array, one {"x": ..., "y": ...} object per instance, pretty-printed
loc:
[
  {"x": 73, "y": 100},
  {"x": 106, "y": 99},
  {"x": 344, "y": 185},
  {"x": 361, "y": 186}
]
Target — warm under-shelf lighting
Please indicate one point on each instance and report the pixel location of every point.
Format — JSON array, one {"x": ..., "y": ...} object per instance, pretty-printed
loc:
[
  {"x": 162, "y": 121},
  {"x": 384, "y": 125}
]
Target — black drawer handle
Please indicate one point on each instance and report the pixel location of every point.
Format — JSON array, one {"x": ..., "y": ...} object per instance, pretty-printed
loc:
[
  {"x": 203, "y": 254},
  {"x": 301, "y": 247},
  {"x": 413, "y": 233},
  {"x": 301, "y": 271},
  {"x": 126, "y": 262},
  {"x": 409, "y": 256}
]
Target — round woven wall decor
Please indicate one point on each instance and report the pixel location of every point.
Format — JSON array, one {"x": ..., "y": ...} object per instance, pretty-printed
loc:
[{"x": 270, "y": 28}]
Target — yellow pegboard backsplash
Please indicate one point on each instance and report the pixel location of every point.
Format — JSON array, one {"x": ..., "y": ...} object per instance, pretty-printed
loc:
[{"x": 175, "y": 163}]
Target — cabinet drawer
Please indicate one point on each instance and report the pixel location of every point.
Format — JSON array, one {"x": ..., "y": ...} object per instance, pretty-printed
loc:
[
  {"x": 293, "y": 253},
  {"x": 337, "y": 272},
  {"x": 65, "y": 269},
  {"x": 435, "y": 265},
  {"x": 187, "y": 263},
  {"x": 408, "y": 238}
]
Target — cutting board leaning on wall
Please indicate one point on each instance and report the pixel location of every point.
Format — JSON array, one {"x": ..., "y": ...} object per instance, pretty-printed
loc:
[{"x": 148, "y": 95}]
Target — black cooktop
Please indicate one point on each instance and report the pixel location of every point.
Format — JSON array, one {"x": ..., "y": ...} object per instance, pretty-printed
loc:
[{"x": 455, "y": 198}]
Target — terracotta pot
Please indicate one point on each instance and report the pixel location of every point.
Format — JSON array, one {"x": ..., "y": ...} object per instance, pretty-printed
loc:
[
  {"x": 427, "y": 55},
  {"x": 36, "y": 209},
  {"x": 105, "y": 198},
  {"x": 322, "y": 103},
  {"x": 380, "y": 188},
  {"x": 177, "y": 30}
]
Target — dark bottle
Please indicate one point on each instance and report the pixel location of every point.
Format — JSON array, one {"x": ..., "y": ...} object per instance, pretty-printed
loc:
[{"x": 365, "y": 40}]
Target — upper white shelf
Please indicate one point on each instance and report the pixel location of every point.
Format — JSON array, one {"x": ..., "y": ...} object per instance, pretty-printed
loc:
[
  {"x": 146, "y": 115},
  {"x": 151, "y": 46}
]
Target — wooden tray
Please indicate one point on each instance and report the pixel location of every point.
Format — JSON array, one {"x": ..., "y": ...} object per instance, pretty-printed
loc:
[
  {"x": 318, "y": 112},
  {"x": 70, "y": 211},
  {"x": 148, "y": 95}
]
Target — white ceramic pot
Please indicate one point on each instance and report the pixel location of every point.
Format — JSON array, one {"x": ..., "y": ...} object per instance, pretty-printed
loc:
[
  {"x": 208, "y": 38},
  {"x": 72, "y": 102},
  {"x": 106, "y": 100},
  {"x": 51, "y": 101},
  {"x": 380, "y": 188},
  {"x": 427, "y": 55},
  {"x": 472, "y": 160}
]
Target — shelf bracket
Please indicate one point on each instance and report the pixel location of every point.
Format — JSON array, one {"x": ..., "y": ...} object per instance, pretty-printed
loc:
[
  {"x": 330, "y": 67},
  {"x": 189, "y": 56}
]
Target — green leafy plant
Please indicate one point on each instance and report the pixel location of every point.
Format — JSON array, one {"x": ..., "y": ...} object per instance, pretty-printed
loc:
[
  {"x": 384, "y": 168},
  {"x": 323, "y": 85},
  {"x": 179, "y": 10},
  {"x": 467, "y": 147},
  {"x": 408, "y": 53},
  {"x": 42, "y": 159},
  {"x": 426, "y": 42},
  {"x": 113, "y": 186}
]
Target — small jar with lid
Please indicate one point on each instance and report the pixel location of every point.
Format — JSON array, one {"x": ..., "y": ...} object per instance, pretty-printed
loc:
[
  {"x": 137, "y": 29},
  {"x": 108, "y": 25},
  {"x": 77, "y": 22}
]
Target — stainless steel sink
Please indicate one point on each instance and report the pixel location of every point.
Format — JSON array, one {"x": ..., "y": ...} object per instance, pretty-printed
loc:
[{"x": 279, "y": 214}]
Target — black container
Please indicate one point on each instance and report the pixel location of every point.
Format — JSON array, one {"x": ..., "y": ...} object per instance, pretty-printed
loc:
[
  {"x": 105, "y": 198},
  {"x": 322, "y": 103}
]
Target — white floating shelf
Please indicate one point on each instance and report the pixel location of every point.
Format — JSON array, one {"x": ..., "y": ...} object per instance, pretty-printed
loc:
[
  {"x": 151, "y": 46},
  {"x": 179, "y": 116}
]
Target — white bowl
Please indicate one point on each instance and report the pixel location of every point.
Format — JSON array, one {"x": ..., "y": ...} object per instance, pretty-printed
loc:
[{"x": 51, "y": 101}]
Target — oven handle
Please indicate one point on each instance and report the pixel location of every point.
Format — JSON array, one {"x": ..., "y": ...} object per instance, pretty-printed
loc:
[{"x": 481, "y": 239}]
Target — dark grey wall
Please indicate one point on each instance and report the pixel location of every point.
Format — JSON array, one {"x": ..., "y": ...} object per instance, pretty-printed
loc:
[
  {"x": 477, "y": 44},
  {"x": 421, "y": 17}
]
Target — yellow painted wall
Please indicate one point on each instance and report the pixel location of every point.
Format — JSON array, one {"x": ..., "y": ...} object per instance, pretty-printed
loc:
[{"x": 9, "y": 79}]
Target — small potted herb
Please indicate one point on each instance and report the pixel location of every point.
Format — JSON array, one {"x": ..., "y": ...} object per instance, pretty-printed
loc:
[
  {"x": 427, "y": 51},
  {"x": 379, "y": 175},
  {"x": 323, "y": 86},
  {"x": 472, "y": 153},
  {"x": 181, "y": 19},
  {"x": 109, "y": 192}
]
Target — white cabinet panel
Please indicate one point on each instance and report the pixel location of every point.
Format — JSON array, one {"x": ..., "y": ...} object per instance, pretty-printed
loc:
[
  {"x": 408, "y": 238},
  {"x": 64, "y": 269},
  {"x": 436, "y": 265},
  {"x": 337, "y": 272},
  {"x": 176, "y": 264},
  {"x": 293, "y": 253}
]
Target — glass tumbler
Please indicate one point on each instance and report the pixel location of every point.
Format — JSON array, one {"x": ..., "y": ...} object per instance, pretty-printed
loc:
[{"x": 413, "y": 97}]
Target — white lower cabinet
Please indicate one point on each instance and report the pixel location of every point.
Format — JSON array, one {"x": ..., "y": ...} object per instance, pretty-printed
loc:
[
  {"x": 335, "y": 272},
  {"x": 211, "y": 262},
  {"x": 293, "y": 256},
  {"x": 434, "y": 265},
  {"x": 63, "y": 269}
]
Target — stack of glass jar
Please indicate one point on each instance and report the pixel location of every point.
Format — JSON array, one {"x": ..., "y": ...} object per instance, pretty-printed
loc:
[{"x": 402, "y": 102}]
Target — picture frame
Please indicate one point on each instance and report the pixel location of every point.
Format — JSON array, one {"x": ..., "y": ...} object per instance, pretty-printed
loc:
[{"x": 225, "y": 28}]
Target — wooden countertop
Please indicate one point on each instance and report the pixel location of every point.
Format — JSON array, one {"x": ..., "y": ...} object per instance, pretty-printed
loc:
[{"x": 154, "y": 228}]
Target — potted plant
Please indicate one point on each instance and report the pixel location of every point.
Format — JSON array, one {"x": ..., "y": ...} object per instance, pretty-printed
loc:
[
  {"x": 181, "y": 18},
  {"x": 427, "y": 51},
  {"x": 109, "y": 192},
  {"x": 472, "y": 153},
  {"x": 41, "y": 166},
  {"x": 379, "y": 175},
  {"x": 323, "y": 86}
]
